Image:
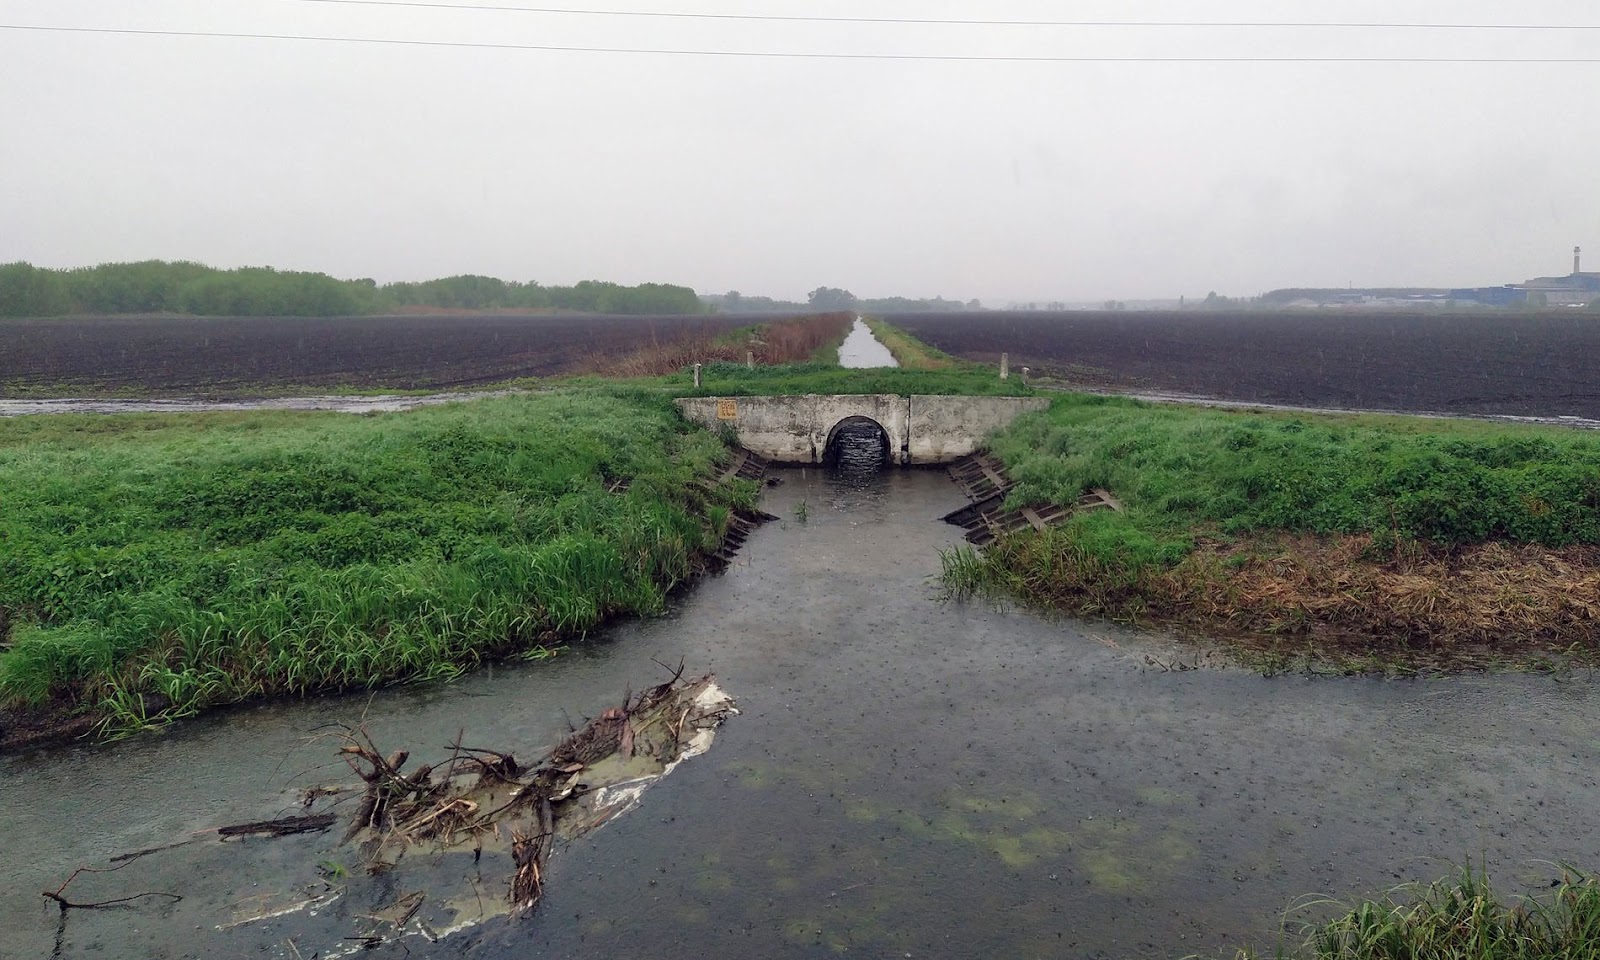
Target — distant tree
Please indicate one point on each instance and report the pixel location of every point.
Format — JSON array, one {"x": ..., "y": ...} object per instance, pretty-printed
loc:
[
  {"x": 908, "y": 305},
  {"x": 731, "y": 300},
  {"x": 156, "y": 286},
  {"x": 974, "y": 304},
  {"x": 831, "y": 299},
  {"x": 27, "y": 291}
]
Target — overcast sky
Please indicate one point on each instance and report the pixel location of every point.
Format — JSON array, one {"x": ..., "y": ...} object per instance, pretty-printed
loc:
[{"x": 997, "y": 180}]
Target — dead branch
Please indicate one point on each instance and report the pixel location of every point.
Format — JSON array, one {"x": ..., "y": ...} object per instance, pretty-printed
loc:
[
  {"x": 59, "y": 894},
  {"x": 282, "y": 827}
]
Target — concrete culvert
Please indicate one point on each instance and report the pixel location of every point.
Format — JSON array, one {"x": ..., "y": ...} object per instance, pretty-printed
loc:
[{"x": 858, "y": 447}]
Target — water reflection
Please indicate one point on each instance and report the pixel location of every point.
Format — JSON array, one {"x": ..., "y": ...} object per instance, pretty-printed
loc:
[{"x": 861, "y": 349}]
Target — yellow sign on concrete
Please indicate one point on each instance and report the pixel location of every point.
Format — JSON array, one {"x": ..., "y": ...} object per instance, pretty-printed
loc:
[{"x": 727, "y": 409}]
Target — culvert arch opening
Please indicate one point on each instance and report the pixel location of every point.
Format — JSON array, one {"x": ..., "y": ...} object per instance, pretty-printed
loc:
[{"x": 858, "y": 447}]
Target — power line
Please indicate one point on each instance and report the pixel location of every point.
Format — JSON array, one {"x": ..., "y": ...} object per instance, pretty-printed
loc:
[
  {"x": 778, "y": 54},
  {"x": 786, "y": 18}
]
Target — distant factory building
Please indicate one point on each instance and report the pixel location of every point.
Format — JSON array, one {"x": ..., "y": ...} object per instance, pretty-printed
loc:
[
  {"x": 1509, "y": 295},
  {"x": 1578, "y": 289}
]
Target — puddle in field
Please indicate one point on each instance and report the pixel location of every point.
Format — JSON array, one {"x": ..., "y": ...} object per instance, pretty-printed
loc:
[{"x": 906, "y": 777}]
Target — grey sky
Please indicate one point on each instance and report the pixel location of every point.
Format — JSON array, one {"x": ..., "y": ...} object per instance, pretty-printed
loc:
[{"x": 995, "y": 180}]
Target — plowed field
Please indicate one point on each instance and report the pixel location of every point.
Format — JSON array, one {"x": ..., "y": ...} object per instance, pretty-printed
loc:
[
  {"x": 1544, "y": 364},
  {"x": 223, "y": 356}
]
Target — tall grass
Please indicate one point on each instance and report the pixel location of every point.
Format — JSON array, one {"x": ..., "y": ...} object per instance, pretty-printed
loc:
[
  {"x": 1463, "y": 918},
  {"x": 783, "y": 341},
  {"x": 156, "y": 565},
  {"x": 1424, "y": 536},
  {"x": 907, "y": 350},
  {"x": 1176, "y": 469}
]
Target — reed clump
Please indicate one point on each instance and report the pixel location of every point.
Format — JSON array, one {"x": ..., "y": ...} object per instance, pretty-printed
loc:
[
  {"x": 1462, "y": 918},
  {"x": 154, "y": 566},
  {"x": 1325, "y": 598}
]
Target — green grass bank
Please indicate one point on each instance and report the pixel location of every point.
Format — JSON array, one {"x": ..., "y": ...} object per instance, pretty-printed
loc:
[
  {"x": 735, "y": 380},
  {"x": 154, "y": 566},
  {"x": 1394, "y": 538},
  {"x": 908, "y": 351},
  {"x": 1459, "y": 918}
]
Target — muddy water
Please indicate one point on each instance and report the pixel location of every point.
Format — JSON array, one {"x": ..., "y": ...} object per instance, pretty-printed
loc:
[
  {"x": 862, "y": 349},
  {"x": 907, "y": 778}
]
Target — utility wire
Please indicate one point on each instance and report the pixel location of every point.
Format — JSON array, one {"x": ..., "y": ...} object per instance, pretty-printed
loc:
[
  {"x": 784, "y": 18},
  {"x": 783, "y": 55}
]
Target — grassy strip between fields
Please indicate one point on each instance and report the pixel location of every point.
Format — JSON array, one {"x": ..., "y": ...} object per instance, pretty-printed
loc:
[
  {"x": 1462, "y": 918},
  {"x": 154, "y": 566},
  {"x": 909, "y": 352},
  {"x": 1370, "y": 540},
  {"x": 734, "y": 380},
  {"x": 781, "y": 341}
]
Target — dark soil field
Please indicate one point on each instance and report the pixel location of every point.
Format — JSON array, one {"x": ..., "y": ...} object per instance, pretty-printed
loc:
[
  {"x": 238, "y": 356},
  {"x": 1544, "y": 364}
]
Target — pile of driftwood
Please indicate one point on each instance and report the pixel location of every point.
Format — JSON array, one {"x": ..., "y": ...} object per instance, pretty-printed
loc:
[{"x": 478, "y": 800}]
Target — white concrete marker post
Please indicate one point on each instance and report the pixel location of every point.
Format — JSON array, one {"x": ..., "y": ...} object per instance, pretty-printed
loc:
[
  {"x": 1005, "y": 366},
  {"x": 697, "y": 376}
]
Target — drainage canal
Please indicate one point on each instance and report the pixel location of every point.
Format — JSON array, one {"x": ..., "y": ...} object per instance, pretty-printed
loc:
[
  {"x": 909, "y": 776},
  {"x": 858, "y": 449}
]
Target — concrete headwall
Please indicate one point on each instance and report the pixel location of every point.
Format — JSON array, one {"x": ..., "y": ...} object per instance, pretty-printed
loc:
[
  {"x": 949, "y": 428},
  {"x": 921, "y": 429}
]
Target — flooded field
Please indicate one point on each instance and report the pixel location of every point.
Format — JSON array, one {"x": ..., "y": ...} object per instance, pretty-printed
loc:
[{"x": 907, "y": 778}]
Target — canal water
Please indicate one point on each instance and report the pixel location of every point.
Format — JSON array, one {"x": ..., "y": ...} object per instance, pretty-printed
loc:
[
  {"x": 861, "y": 349},
  {"x": 908, "y": 777}
]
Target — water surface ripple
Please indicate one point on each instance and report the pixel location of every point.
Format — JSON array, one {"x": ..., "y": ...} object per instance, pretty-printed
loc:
[{"x": 908, "y": 777}]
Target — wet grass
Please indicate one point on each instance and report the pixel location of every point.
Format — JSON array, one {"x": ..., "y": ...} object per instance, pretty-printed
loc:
[
  {"x": 156, "y": 565},
  {"x": 1408, "y": 536},
  {"x": 1445, "y": 482},
  {"x": 734, "y": 380},
  {"x": 1462, "y": 918}
]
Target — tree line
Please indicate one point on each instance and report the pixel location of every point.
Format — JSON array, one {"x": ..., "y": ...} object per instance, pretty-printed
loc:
[
  {"x": 156, "y": 286},
  {"x": 834, "y": 299}
]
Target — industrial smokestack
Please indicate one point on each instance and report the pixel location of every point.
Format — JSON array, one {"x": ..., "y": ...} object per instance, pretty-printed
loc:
[{"x": 1576, "y": 253}]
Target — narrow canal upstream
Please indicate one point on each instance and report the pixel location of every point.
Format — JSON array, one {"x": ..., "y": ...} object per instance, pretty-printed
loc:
[
  {"x": 861, "y": 349},
  {"x": 908, "y": 777}
]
